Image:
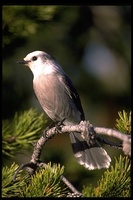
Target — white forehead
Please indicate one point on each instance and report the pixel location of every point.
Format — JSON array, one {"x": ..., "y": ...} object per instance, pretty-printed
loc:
[
  {"x": 45, "y": 63},
  {"x": 35, "y": 53}
]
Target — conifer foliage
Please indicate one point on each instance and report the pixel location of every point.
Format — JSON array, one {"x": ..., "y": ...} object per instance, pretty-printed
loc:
[{"x": 25, "y": 129}]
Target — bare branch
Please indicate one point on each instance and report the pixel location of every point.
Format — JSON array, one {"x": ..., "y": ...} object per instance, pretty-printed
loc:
[
  {"x": 75, "y": 192},
  {"x": 88, "y": 132},
  {"x": 121, "y": 136},
  {"x": 82, "y": 128},
  {"x": 111, "y": 132},
  {"x": 85, "y": 127}
]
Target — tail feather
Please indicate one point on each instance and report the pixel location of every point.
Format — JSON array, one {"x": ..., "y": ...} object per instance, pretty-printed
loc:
[{"x": 91, "y": 156}]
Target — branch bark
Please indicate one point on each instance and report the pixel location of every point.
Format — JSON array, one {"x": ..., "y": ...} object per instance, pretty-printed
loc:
[
  {"x": 88, "y": 132},
  {"x": 83, "y": 127}
]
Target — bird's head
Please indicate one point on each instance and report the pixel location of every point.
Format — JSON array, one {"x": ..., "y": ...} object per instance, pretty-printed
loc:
[{"x": 40, "y": 62}]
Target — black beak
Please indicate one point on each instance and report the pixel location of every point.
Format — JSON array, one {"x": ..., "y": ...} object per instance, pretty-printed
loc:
[{"x": 22, "y": 62}]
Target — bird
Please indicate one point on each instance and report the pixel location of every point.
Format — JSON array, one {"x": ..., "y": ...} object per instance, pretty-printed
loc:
[{"x": 61, "y": 102}]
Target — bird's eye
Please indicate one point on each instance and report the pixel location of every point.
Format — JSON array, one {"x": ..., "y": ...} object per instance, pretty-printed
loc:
[{"x": 34, "y": 58}]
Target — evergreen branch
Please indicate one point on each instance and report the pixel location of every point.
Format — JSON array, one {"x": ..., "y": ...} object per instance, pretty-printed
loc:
[
  {"x": 46, "y": 182},
  {"x": 124, "y": 122},
  {"x": 115, "y": 182},
  {"x": 10, "y": 188},
  {"x": 32, "y": 124},
  {"x": 84, "y": 127},
  {"x": 21, "y": 131}
]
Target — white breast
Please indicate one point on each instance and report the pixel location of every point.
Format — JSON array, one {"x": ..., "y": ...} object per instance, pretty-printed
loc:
[{"x": 44, "y": 69}]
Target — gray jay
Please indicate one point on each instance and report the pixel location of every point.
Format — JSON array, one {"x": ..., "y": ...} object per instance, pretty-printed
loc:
[{"x": 60, "y": 100}]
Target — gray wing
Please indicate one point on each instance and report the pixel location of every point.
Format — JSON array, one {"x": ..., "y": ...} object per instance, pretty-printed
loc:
[
  {"x": 91, "y": 156},
  {"x": 72, "y": 92}
]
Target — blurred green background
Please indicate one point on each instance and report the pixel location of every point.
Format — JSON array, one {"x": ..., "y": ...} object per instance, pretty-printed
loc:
[{"x": 93, "y": 45}]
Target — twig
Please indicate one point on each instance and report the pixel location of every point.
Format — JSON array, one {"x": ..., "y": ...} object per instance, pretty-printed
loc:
[
  {"x": 75, "y": 192},
  {"x": 126, "y": 139},
  {"x": 105, "y": 141},
  {"x": 112, "y": 132}
]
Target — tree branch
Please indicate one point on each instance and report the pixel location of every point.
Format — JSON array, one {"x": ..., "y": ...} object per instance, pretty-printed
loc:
[
  {"x": 88, "y": 132},
  {"x": 126, "y": 139}
]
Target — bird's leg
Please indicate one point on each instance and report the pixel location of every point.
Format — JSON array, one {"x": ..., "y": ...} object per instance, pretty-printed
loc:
[
  {"x": 50, "y": 126},
  {"x": 59, "y": 124}
]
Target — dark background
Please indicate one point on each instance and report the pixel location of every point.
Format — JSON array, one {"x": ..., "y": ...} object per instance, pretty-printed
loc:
[{"x": 93, "y": 46}]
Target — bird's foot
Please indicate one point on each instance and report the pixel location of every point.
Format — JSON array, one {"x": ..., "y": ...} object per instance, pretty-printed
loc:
[{"x": 59, "y": 124}]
